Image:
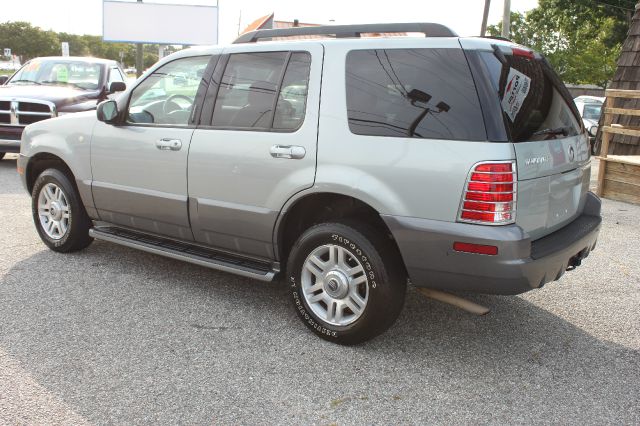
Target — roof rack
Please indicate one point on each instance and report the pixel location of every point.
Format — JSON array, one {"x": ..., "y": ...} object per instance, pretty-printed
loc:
[{"x": 349, "y": 31}]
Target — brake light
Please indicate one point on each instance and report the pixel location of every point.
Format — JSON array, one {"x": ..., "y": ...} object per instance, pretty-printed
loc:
[
  {"x": 490, "y": 194},
  {"x": 523, "y": 53}
]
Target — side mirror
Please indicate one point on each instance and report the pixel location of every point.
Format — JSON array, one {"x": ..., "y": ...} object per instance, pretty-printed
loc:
[
  {"x": 3, "y": 79},
  {"x": 593, "y": 130},
  {"x": 107, "y": 111},
  {"x": 117, "y": 86}
]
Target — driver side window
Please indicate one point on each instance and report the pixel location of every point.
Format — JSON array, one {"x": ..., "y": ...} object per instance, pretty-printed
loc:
[{"x": 166, "y": 97}]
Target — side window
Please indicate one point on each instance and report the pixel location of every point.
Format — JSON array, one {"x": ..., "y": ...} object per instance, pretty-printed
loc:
[
  {"x": 248, "y": 90},
  {"x": 114, "y": 75},
  {"x": 412, "y": 93},
  {"x": 293, "y": 94},
  {"x": 167, "y": 96},
  {"x": 254, "y": 93}
]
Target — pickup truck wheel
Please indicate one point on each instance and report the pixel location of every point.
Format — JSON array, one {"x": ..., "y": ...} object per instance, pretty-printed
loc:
[
  {"x": 346, "y": 281},
  {"x": 58, "y": 213}
]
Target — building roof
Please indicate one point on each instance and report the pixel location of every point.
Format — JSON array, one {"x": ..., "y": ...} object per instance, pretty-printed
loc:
[
  {"x": 627, "y": 76},
  {"x": 259, "y": 23},
  {"x": 268, "y": 22}
]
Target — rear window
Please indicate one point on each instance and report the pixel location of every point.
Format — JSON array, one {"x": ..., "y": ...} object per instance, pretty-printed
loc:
[
  {"x": 413, "y": 93},
  {"x": 535, "y": 103}
]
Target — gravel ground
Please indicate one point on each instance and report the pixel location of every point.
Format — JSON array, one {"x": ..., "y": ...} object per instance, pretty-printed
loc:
[{"x": 112, "y": 335}]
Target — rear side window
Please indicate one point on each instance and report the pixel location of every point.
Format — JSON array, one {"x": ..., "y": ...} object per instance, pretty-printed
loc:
[
  {"x": 263, "y": 90},
  {"x": 293, "y": 94},
  {"x": 414, "y": 93},
  {"x": 535, "y": 102}
]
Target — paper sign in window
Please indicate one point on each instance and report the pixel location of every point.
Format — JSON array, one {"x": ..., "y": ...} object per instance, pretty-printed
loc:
[{"x": 515, "y": 92}]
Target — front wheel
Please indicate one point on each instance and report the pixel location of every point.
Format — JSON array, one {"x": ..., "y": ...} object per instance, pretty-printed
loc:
[
  {"x": 347, "y": 282},
  {"x": 58, "y": 213}
]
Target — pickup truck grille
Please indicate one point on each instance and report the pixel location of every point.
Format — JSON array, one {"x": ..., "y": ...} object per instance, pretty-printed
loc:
[{"x": 21, "y": 112}]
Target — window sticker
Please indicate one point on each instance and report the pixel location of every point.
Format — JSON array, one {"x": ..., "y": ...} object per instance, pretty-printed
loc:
[
  {"x": 515, "y": 92},
  {"x": 62, "y": 74}
]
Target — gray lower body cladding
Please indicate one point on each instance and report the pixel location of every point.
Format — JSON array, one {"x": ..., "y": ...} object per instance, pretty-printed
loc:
[{"x": 520, "y": 265}]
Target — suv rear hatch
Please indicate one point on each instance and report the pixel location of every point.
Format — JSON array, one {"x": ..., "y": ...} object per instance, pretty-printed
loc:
[{"x": 550, "y": 145}]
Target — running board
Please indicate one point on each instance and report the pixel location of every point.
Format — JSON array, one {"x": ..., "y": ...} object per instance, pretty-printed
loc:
[{"x": 193, "y": 253}]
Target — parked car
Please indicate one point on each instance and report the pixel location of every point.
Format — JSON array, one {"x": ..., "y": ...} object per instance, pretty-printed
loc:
[
  {"x": 457, "y": 163},
  {"x": 53, "y": 86},
  {"x": 590, "y": 108}
]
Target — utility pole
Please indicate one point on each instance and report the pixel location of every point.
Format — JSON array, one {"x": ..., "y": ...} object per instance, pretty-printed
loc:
[
  {"x": 139, "y": 57},
  {"x": 506, "y": 19},
  {"x": 485, "y": 16}
]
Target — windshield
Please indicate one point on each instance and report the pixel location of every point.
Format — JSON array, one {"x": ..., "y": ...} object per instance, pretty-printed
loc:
[
  {"x": 592, "y": 111},
  {"x": 79, "y": 74}
]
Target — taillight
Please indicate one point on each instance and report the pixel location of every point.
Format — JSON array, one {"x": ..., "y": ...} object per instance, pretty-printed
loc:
[
  {"x": 490, "y": 194},
  {"x": 524, "y": 53}
]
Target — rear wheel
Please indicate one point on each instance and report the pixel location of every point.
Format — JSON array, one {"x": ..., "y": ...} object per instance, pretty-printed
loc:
[
  {"x": 58, "y": 213},
  {"x": 347, "y": 282}
]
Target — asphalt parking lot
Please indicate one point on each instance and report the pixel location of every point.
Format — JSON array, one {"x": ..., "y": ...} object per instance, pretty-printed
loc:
[{"x": 113, "y": 335}]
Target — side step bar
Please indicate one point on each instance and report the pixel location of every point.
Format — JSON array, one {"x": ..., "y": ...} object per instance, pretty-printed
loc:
[{"x": 193, "y": 253}]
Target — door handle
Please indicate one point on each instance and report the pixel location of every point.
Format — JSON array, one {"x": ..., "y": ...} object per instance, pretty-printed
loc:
[
  {"x": 168, "y": 144},
  {"x": 288, "y": 151}
]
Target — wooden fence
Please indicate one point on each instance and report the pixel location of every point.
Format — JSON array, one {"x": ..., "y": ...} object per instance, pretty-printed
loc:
[{"x": 619, "y": 175}]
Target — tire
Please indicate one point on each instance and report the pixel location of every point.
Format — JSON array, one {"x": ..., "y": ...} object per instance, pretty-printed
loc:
[
  {"x": 63, "y": 209},
  {"x": 351, "y": 301}
]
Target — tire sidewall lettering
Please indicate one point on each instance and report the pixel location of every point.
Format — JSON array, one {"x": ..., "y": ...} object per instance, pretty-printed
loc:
[{"x": 294, "y": 283}]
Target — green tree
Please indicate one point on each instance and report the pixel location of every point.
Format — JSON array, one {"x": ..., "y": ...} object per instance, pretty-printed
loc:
[
  {"x": 582, "y": 40},
  {"x": 28, "y": 41}
]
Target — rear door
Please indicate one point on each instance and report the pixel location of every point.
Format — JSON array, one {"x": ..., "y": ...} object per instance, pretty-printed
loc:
[
  {"x": 255, "y": 146},
  {"x": 550, "y": 145}
]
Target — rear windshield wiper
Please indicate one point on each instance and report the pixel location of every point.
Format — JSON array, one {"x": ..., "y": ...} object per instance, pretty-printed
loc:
[
  {"x": 24, "y": 81},
  {"x": 552, "y": 132}
]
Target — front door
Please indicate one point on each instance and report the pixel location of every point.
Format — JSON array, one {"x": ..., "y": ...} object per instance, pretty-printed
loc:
[
  {"x": 140, "y": 166},
  {"x": 257, "y": 149}
]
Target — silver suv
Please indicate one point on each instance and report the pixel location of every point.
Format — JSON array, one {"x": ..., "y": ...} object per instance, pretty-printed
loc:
[{"x": 349, "y": 165}]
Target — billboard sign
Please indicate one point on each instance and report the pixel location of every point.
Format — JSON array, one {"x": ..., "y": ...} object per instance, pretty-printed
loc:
[{"x": 156, "y": 23}]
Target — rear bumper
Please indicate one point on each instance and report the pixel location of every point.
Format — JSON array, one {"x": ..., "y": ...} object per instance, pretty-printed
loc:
[{"x": 521, "y": 264}]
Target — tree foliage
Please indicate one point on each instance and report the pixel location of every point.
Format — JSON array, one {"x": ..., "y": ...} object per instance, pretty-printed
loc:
[
  {"x": 581, "y": 39},
  {"x": 30, "y": 42}
]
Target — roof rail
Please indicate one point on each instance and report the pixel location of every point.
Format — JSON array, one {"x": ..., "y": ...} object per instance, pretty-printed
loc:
[{"x": 349, "y": 31}]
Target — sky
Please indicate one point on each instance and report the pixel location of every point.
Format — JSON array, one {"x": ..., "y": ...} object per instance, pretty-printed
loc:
[{"x": 85, "y": 16}]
